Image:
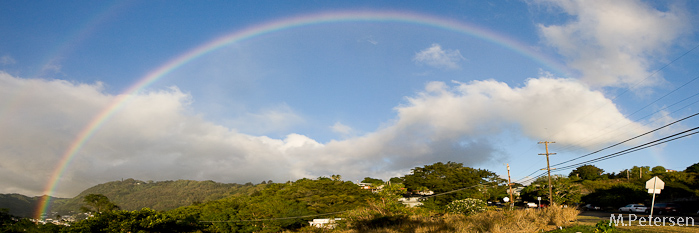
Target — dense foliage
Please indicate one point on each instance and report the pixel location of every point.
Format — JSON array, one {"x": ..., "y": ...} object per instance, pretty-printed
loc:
[
  {"x": 587, "y": 172},
  {"x": 565, "y": 191},
  {"x": 617, "y": 195},
  {"x": 450, "y": 176},
  {"x": 133, "y": 194},
  {"x": 305, "y": 197},
  {"x": 278, "y": 207},
  {"x": 628, "y": 186},
  {"x": 98, "y": 203},
  {"x": 144, "y": 220},
  {"x": 694, "y": 168},
  {"x": 373, "y": 181}
]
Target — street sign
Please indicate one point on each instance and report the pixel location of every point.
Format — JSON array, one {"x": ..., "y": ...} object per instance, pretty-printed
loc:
[
  {"x": 506, "y": 199},
  {"x": 655, "y": 183},
  {"x": 538, "y": 198}
]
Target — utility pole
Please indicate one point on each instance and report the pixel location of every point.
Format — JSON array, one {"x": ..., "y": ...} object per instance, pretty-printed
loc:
[
  {"x": 509, "y": 183},
  {"x": 627, "y": 174},
  {"x": 640, "y": 172},
  {"x": 548, "y": 167}
]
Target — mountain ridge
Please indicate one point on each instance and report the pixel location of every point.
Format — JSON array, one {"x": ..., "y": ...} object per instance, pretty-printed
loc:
[{"x": 131, "y": 194}]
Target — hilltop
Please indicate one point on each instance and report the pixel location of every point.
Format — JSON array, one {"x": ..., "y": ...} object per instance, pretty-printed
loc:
[
  {"x": 24, "y": 206},
  {"x": 132, "y": 194}
]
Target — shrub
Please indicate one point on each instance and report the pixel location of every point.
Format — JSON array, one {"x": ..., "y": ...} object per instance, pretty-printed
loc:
[
  {"x": 604, "y": 226},
  {"x": 466, "y": 206}
]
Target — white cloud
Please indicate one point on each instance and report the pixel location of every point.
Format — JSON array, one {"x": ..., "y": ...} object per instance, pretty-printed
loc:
[
  {"x": 436, "y": 57},
  {"x": 341, "y": 128},
  {"x": 157, "y": 137},
  {"x": 615, "y": 43},
  {"x": 542, "y": 106},
  {"x": 7, "y": 60},
  {"x": 369, "y": 39},
  {"x": 52, "y": 67}
]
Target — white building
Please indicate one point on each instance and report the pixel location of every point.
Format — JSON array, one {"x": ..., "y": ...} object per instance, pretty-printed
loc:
[
  {"x": 324, "y": 223},
  {"x": 410, "y": 201}
]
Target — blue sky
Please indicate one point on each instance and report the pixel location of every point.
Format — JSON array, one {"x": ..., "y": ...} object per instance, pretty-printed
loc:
[{"x": 351, "y": 97}]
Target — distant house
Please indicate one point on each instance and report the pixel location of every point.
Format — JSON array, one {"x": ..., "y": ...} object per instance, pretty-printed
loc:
[
  {"x": 515, "y": 191},
  {"x": 325, "y": 223},
  {"x": 670, "y": 170},
  {"x": 370, "y": 186},
  {"x": 425, "y": 193},
  {"x": 411, "y": 201}
]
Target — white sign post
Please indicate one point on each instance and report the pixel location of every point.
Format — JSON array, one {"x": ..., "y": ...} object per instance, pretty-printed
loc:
[
  {"x": 539, "y": 198},
  {"x": 654, "y": 185}
]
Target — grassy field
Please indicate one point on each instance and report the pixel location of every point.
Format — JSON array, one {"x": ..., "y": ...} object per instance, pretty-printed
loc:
[{"x": 521, "y": 220}]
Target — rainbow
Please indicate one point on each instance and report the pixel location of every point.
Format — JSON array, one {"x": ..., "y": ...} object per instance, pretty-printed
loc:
[{"x": 270, "y": 27}]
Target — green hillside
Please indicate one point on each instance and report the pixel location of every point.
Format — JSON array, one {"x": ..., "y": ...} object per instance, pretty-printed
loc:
[
  {"x": 23, "y": 206},
  {"x": 131, "y": 194}
]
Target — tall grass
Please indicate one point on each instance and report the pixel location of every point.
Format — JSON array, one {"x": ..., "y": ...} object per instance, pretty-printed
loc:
[{"x": 520, "y": 220}]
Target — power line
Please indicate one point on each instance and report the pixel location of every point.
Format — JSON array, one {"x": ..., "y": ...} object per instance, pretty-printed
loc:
[
  {"x": 637, "y": 111},
  {"x": 627, "y": 89},
  {"x": 532, "y": 179},
  {"x": 272, "y": 219},
  {"x": 623, "y": 152},
  {"x": 637, "y": 148},
  {"x": 634, "y": 149},
  {"x": 622, "y": 142},
  {"x": 685, "y": 84},
  {"x": 526, "y": 177},
  {"x": 638, "y": 83},
  {"x": 673, "y": 105},
  {"x": 658, "y": 70}
]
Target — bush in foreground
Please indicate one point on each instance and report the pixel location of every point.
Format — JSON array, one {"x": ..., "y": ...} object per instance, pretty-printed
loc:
[{"x": 466, "y": 206}]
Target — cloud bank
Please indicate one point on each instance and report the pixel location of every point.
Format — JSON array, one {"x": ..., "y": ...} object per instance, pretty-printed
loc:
[{"x": 156, "y": 136}]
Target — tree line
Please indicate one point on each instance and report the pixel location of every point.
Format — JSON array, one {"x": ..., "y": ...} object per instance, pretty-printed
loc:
[
  {"x": 591, "y": 185},
  {"x": 288, "y": 206}
]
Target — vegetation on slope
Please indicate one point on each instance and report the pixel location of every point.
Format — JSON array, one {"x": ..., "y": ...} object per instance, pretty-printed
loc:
[
  {"x": 24, "y": 206},
  {"x": 303, "y": 197},
  {"x": 610, "y": 190},
  {"x": 284, "y": 207},
  {"x": 131, "y": 194}
]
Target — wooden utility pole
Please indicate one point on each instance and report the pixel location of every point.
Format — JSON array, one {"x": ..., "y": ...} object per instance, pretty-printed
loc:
[
  {"x": 627, "y": 174},
  {"x": 548, "y": 167},
  {"x": 509, "y": 183}
]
